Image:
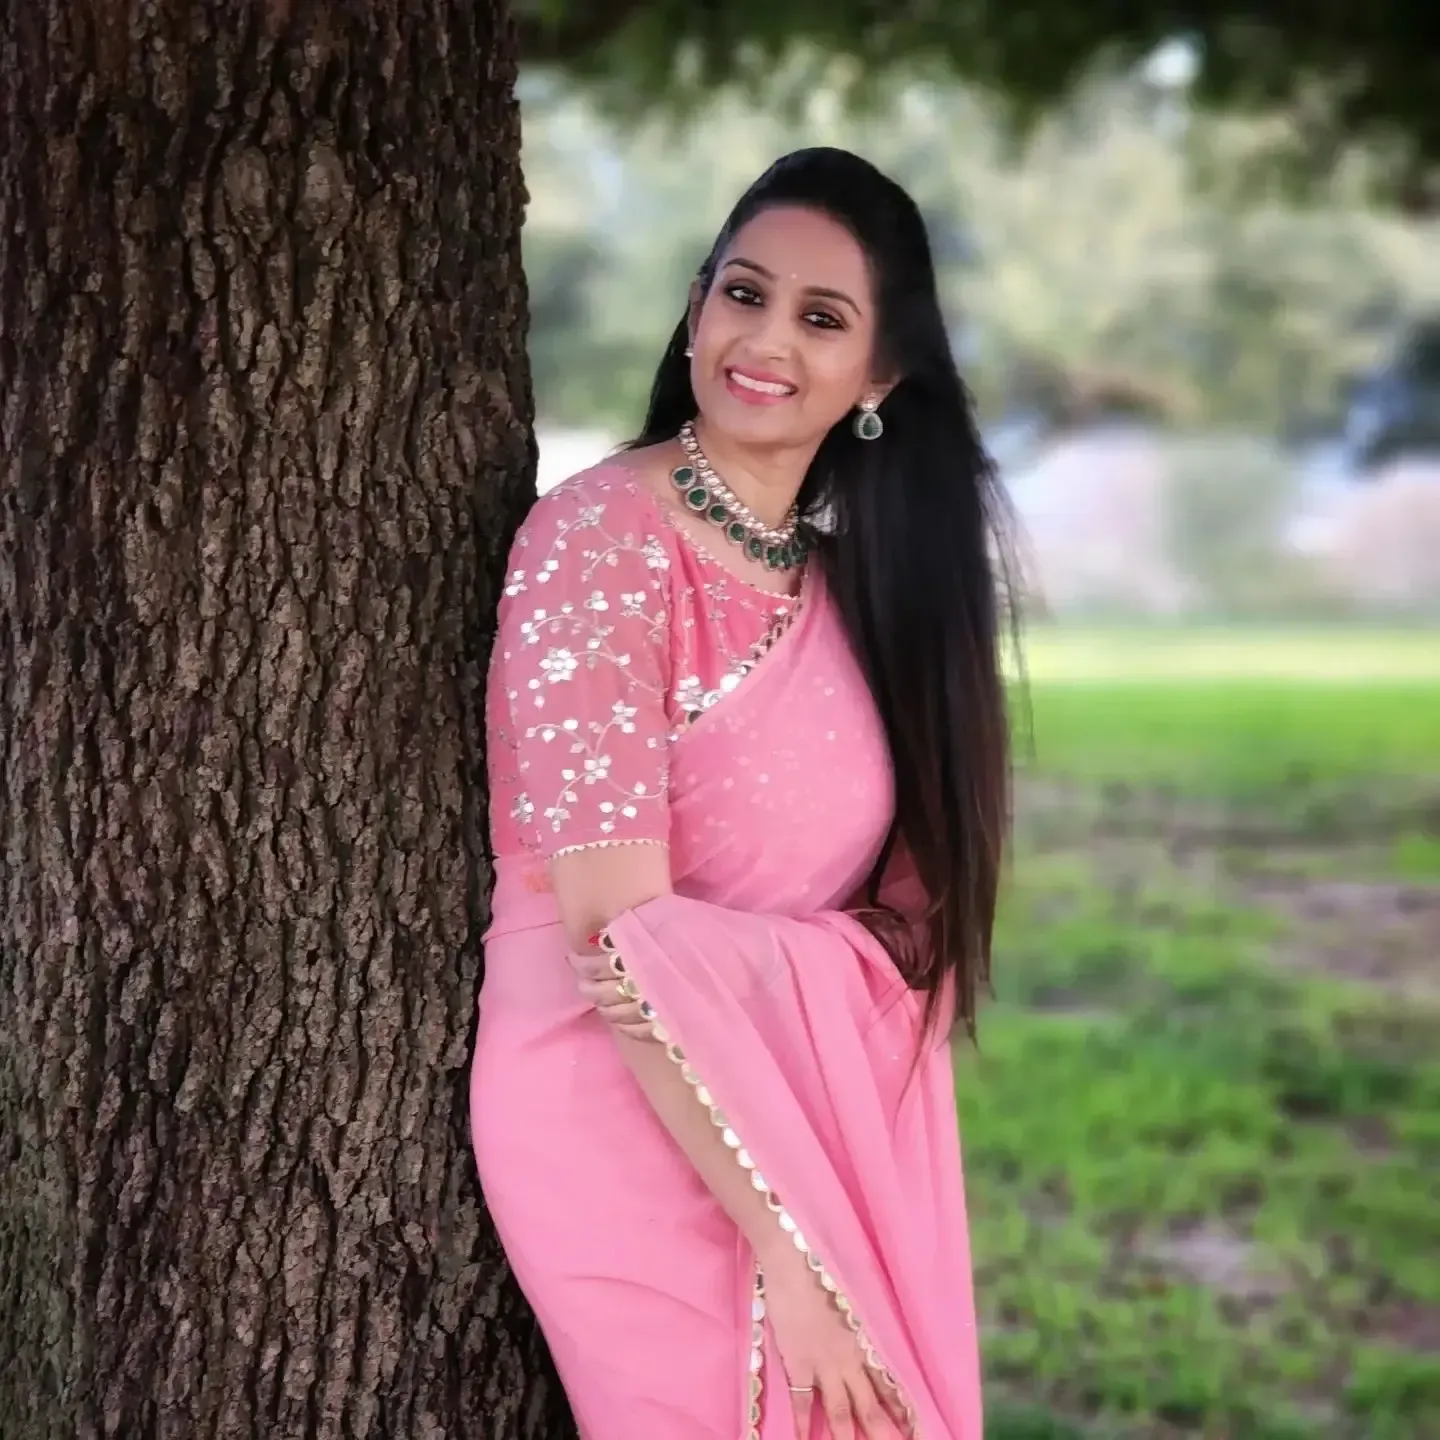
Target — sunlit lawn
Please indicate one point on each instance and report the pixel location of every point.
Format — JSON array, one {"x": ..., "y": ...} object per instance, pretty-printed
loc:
[{"x": 1203, "y": 1130}]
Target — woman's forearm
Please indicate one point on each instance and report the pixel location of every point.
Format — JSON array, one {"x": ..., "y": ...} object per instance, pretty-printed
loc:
[
  {"x": 675, "y": 1104},
  {"x": 604, "y": 983}
]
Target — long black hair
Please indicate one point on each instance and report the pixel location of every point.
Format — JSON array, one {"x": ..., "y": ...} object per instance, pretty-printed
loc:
[{"x": 914, "y": 546}]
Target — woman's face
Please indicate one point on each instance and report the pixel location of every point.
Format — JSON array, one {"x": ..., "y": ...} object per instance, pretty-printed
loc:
[{"x": 785, "y": 338}]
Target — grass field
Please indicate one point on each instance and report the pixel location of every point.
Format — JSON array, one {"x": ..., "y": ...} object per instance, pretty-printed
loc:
[{"x": 1202, "y": 1132}]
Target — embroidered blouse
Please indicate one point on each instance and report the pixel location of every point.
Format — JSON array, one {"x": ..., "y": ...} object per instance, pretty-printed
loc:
[{"x": 616, "y": 628}]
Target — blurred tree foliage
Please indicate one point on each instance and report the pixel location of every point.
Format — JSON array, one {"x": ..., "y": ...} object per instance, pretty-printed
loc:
[
  {"x": 1224, "y": 507},
  {"x": 1129, "y": 252},
  {"x": 1381, "y": 62}
]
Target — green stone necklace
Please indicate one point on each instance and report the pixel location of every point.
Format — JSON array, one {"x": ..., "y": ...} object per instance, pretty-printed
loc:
[{"x": 704, "y": 492}]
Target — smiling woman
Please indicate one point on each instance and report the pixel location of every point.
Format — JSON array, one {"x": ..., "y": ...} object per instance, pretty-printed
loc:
[
  {"x": 781, "y": 354},
  {"x": 748, "y": 796}
]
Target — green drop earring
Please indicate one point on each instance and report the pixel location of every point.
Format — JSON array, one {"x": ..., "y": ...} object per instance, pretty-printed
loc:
[{"x": 868, "y": 425}]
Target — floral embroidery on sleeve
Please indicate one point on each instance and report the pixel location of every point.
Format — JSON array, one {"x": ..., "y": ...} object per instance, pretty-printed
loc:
[{"x": 584, "y": 631}]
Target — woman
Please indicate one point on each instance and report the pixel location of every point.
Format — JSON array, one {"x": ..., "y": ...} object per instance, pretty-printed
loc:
[{"x": 748, "y": 793}]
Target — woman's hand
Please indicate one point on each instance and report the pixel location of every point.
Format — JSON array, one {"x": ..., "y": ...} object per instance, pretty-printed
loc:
[
  {"x": 614, "y": 997},
  {"x": 824, "y": 1365},
  {"x": 822, "y": 1359}
]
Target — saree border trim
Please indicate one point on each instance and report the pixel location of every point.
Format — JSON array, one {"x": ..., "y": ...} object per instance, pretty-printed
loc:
[
  {"x": 694, "y": 703},
  {"x": 786, "y": 1221}
]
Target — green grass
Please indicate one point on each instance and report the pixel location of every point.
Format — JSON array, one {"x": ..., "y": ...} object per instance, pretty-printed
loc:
[
  {"x": 1417, "y": 857},
  {"x": 1243, "y": 737},
  {"x": 1311, "y": 653},
  {"x": 1202, "y": 1141}
]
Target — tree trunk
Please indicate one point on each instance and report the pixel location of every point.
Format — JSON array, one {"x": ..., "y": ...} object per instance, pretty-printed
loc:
[{"x": 264, "y": 437}]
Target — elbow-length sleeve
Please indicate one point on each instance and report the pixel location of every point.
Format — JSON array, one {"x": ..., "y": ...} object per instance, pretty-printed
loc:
[{"x": 585, "y": 636}]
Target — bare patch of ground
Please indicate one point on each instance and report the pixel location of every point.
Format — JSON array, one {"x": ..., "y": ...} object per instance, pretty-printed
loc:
[
  {"x": 1210, "y": 1253},
  {"x": 1408, "y": 1324},
  {"x": 1371, "y": 1136},
  {"x": 1056, "y": 811},
  {"x": 1381, "y": 933}
]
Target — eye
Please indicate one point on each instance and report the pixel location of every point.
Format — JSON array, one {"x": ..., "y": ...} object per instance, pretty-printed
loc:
[{"x": 743, "y": 294}]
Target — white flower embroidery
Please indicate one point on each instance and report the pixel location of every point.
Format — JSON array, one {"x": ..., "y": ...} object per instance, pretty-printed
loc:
[
  {"x": 583, "y": 631},
  {"x": 610, "y": 612},
  {"x": 559, "y": 664}
]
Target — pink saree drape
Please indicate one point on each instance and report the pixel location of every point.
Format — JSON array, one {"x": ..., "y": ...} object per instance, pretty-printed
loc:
[
  {"x": 796, "y": 1037},
  {"x": 791, "y": 1027}
]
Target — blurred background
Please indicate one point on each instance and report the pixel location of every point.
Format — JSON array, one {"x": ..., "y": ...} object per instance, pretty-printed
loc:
[
  {"x": 1202, "y": 1130},
  {"x": 1212, "y": 392}
]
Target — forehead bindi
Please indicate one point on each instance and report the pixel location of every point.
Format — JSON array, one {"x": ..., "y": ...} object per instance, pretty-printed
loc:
[{"x": 804, "y": 250}]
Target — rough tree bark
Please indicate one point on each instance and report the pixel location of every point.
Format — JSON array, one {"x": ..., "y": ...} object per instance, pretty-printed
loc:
[{"x": 264, "y": 436}]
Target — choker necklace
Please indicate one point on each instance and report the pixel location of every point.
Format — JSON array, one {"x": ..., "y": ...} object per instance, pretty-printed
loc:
[{"x": 704, "y": 492}]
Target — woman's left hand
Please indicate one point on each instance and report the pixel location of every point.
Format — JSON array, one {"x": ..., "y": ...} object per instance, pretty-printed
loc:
[{"x": 612, "y": 998}]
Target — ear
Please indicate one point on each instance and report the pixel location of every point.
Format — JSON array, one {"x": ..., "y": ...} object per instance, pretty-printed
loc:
[{"x": 878, "y": 391}]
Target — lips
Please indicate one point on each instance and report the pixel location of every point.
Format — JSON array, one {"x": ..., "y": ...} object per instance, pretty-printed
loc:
[{"x": 755, "y": 387}]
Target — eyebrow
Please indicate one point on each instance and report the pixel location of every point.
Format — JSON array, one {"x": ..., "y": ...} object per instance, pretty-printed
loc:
[{"x": 821, "y": 291}]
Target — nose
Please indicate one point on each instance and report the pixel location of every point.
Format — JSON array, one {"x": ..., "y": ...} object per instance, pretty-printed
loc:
[{"x": 774, "y": 333}]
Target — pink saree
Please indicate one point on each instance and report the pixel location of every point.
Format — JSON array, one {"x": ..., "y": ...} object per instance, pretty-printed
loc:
[{"x": 771, "y": 787}]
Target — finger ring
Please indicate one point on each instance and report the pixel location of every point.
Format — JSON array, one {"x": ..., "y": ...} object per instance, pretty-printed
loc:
[{"x": 802, "y": 1389}]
